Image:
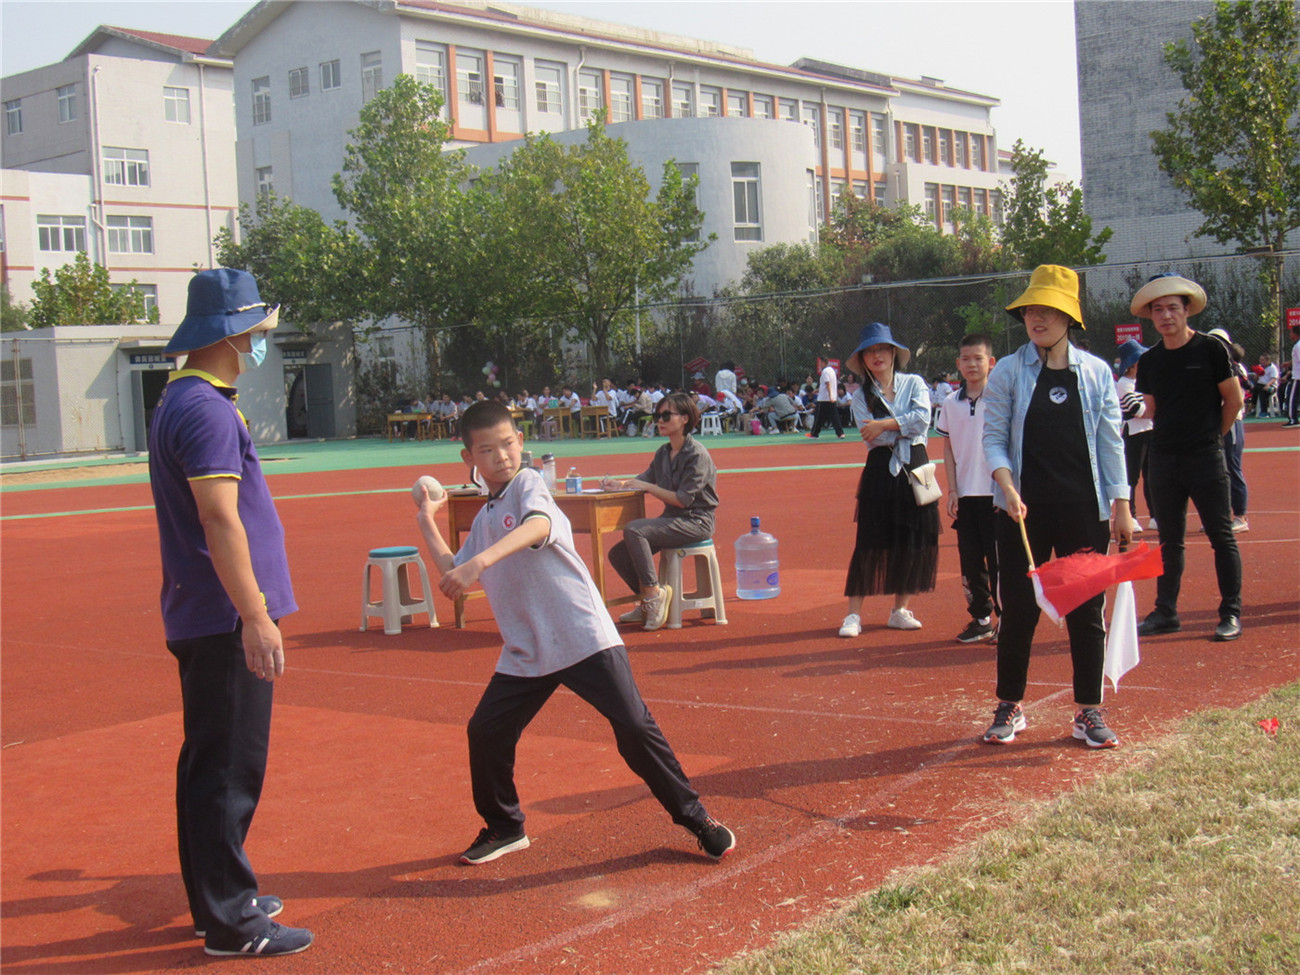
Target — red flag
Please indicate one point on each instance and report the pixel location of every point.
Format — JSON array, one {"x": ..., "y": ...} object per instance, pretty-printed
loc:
[{"x": 1064, "y": 584}]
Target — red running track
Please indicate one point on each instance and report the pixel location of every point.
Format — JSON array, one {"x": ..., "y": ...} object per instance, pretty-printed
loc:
[{"x": 836, "y": 761}]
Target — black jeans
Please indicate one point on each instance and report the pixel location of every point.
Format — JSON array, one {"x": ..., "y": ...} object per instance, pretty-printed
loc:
[
  {"x": 604, "y": 680},
  {"x": 1234, "y": 443},
  {"x": 1135, "y": 466},
  {"x": 227, "y": 717},
  {"x": 977, "y": 552},
  {"x": 1053, "y": 529},
  {"x": 1203, "y": 478},
  {"x": 827, "y": 411}
]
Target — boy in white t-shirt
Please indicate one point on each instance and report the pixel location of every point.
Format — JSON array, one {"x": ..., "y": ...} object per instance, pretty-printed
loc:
[
  {"x": 556, "y": 632},
  {"x": 970, "y": 486}
]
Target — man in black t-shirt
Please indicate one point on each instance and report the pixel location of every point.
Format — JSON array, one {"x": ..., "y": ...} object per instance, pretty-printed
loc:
[{"x": 1187, "y": 383}]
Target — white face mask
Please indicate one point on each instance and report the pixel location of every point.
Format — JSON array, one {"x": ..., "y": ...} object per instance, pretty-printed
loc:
[{"x": 256, "y": 354}]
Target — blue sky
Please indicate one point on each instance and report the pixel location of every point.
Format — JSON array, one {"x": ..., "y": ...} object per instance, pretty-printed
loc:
[{"x": 1021, "y": 51}]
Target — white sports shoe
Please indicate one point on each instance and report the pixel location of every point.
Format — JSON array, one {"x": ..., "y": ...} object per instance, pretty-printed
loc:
[
  {"x": 634, "y": 615},
  {"x": 902, "y": 619},
  {"x": 851, "y": 626}
]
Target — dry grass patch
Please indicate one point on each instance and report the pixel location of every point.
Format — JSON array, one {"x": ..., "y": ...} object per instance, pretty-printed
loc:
[{"x": 1189, "y": 863}]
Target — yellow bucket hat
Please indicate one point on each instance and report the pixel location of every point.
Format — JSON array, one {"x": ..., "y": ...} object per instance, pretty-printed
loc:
[{"x": 1053, "y": 286}]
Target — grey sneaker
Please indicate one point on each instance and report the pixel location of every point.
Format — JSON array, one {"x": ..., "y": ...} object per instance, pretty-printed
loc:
[
  {"x": 1007, "y": 720},
  {"x": 634, "y": 615},
  {"x": 276, "y": 940},
  {"x": 1090, "y": 727},
  {"x": 656, "y": 608},
  {"x": 268, "y": 904}
]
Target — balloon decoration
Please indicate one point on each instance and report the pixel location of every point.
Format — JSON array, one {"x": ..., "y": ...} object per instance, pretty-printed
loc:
[{"x": 490, "y": 370}]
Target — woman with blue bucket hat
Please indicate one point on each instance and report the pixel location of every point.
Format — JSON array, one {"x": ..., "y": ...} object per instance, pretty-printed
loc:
[{"x": 897, "y": 547}]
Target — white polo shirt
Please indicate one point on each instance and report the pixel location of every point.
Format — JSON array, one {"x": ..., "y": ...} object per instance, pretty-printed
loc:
[{"x": 961, "y": 420}]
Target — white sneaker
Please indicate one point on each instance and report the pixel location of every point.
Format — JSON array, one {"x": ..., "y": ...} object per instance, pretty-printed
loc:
[
  {"x": 852, "y": 625},
  {"x": 656, "y": 608},
  {"x": 902, "y": 619},
  {"x": 1240, "y": 524},
  {"x": 1151, "y": 525},
  {"x": 634, "y": 615}
]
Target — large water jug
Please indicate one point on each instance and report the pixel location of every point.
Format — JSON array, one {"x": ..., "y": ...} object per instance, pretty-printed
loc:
[{"x": 758, "y": 571}]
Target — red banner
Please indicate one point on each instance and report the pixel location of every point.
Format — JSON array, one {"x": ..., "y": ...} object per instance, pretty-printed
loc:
[{"x": 1125, "y": 332}]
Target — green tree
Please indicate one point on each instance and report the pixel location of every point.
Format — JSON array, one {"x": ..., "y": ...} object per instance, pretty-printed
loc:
[
  {"x": 1046, "y": 224},
  {"x": 1233, "y": 144},
  {"x": 581, "y": 221},
  {"x": 13, "y": 314},
  {"x": 314, "y": 272},
  {"x": 785, "y": 317},
  {"x": 79, "y": 293},
  {"x": 403, "y": 190}
]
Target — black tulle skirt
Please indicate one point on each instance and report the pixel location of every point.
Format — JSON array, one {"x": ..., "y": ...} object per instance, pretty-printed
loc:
[{"x": 897, "y": 548}]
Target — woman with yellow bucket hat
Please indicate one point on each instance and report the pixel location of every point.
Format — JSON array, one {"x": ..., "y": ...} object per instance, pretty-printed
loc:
[{"x": 1052, "y": 439}]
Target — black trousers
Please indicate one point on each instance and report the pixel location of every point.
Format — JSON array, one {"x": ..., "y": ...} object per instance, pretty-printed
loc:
[
  {"x": 1062, "y": 530},
  {"x": 1201, "y": 478},
  {"x": 604, "y": 680},
  {"x": 227, "y": 717},
  {"x": 827, "y": 411},
  {"x": 977, "y": 552},
  {"x": 1135, "y": 466}
]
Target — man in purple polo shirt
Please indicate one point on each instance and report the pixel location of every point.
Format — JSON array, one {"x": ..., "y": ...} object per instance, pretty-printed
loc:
[{"x": 225, "y": 587}]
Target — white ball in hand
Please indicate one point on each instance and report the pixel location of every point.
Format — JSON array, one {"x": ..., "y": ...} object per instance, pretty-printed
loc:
[{"x": 427, "y": 483}]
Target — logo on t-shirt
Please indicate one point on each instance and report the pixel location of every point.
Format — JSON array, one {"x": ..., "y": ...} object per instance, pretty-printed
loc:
[
  {"x": 1058, "y": 395},
  {"x": 508, "y": 521}
]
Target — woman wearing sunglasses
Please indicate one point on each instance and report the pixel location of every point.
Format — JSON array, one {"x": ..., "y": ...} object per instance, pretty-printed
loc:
[{"x": 681, "y": 475}]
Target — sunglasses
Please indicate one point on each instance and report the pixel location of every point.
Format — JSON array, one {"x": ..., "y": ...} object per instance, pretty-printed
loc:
[{"x": 665, "y": 416}]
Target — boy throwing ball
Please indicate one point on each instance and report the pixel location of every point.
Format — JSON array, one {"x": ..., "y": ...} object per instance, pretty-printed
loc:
[{"x": 556, "y": 631}]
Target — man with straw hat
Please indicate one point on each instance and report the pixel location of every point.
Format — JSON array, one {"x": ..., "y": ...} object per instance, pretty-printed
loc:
[
  {"x": 1188, "y": 385},
  {"x": 225, "y": 587}
]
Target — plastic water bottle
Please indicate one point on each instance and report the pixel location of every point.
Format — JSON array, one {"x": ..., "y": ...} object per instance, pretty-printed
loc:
[
  {"x": 758, "y": 570},
  {"x": 572, "y": 482},
  {"x": 548, "y": 471}
]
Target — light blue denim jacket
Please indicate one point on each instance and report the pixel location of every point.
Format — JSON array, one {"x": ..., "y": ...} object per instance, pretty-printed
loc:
[
  {"x": 1006, "y": 401},
  {"x": 911, "y": 408}
]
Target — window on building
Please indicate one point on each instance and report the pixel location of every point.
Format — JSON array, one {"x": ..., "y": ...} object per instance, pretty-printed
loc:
[
  {"x": 910, "y": 149},
  {"x": 591, "y": 92},
  {"x": 744, "y": 192},
  {"x": 17, "y": 393},
  {"x": 931, "y": 202},
  {"x": 981, "y": 200},
  {"x": 14, "y": 116},
  {"x": 814, "y": 215},
  {"x": 959, "y": 149},
  {"x": 964, "y": 197},
  {"x": 927, "y": 145},
  {"x": 764, "y": 106},
  {"x": 948, "y": 196},
  {"x": 683, "y": 100},
  {"x": 147, "y": 291},
  {"x": 431, "y": 66},
  {"x": 737, "y": 104},
  {"x": 710, "y": 101},
  {"x": 547, "y": 84},
  {"x": 995, "y": 197},
  {"x": 858, "y": 131},
  {"x": 837, "y": 190},
  {"x": 652, "y": 98},
  {"x": 812, "y": 115},
  {"x": 265, "y": 180},
  {"x": 505, "y": 82},
  {"x": 56, "y": 233},
  {"x": 299, "y": 83},
  {"x": 880, "y": 133},
  {"x": 67, "y": 103},
  {"x": 861, "y": 189},
  {"x": 622, "y": 107},
  {"x": 126, "y": 167},
  {"x": 820, "y": 191},
  {"x": 130, "y": 235},
  {"x": 788, "y": 109},
  {"x": 878, "y": 192},
  {"x": 976, "y": 151},
  {"x": 835, "y": 120},
  {"x": 689, "y": 170},
  {"x": 469, "y": 77},
  {"x": 372, "y": 74},
  {"x": 331, "y": 76},
  {"x": 945, "y": 147},
  {"x": 261, "y": 100}
]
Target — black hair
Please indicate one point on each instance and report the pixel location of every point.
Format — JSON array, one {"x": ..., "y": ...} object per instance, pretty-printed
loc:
[
  {"x": 483, "y": 415},
  {"x": 687, "y": 407},
  {"x": 972, "y": 339}
]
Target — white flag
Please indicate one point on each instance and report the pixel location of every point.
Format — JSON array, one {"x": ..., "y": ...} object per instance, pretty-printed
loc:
[{"x": 1122, "y": 638}]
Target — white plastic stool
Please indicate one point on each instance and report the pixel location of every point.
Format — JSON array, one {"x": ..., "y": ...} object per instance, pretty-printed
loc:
[
  {"x": 708, "y": 582},
  {"x": 395, "y": 605},
  {"x": 711, "y": 424}
]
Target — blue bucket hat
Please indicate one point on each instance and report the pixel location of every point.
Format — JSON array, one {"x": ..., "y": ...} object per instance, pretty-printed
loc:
[
  {"x": 877, "y": 334},
  {"x": 223, "y": 302},
  {"x": 1129, "y": 353}
]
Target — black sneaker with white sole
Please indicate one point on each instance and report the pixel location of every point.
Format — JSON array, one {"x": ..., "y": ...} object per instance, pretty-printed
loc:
[
  {"x": 1007, "y": 720},
  {"x": 268, "y": 904},
  {"x": 1090, "y": 728},
  {"x": 491, "y": 844},
  {"x": 715, "y": 839},
  {"x": 977, "y": 631},
  {"x": 276, "y": 940}
]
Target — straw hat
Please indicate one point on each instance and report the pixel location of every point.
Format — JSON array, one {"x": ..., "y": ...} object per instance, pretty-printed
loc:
[
  {"x": 223, "y": 302},
  {"x": 877, "y": 334},
  {"x": 1168, "y": 284},
  {"x": 1053, "y": 286}
]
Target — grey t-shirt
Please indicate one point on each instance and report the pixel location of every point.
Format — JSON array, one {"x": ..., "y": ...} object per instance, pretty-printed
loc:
[
  {"x": 546, "y": 605},
  {"x": 691, "y": 474}
]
